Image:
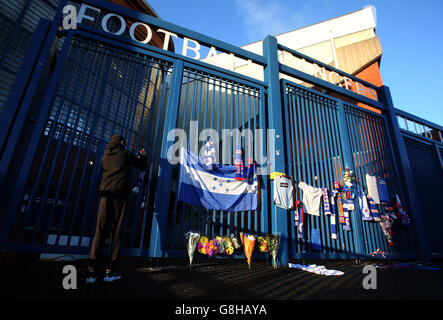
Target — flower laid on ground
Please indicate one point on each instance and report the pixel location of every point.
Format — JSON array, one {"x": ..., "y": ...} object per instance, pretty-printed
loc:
[
  {"x": 248, "y": 242},
  {"x": 212, "y": 247},
  {"x": 229, "y": 247},
  {"x": 273, "y": 242},
  {"x": 193, "y": 240},
  {"x": 222, "y": 245},
  {"x": 262, "y": 244},
  {"x": 235, "y": 242},
  {"x": 201, "y": 246}
]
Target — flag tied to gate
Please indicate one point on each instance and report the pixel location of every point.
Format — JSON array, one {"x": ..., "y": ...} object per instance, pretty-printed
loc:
[{"x": 216, "y": 188}]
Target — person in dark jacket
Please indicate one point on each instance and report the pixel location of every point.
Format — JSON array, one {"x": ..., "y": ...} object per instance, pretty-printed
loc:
[{"x": 114, "y": 191}]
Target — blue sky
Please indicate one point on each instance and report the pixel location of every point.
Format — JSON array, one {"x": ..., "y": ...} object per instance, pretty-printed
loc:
[{"x": 411, "y": 35}]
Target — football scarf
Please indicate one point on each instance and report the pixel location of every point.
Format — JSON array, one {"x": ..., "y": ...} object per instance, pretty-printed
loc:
[
  {"x": 333, "y": 219},
  {"x": 373, "y": 208},
  {"x": 326, "y": 201},
  {"x": 364, "y": 207},
  {"x": 298, "y": 217}
]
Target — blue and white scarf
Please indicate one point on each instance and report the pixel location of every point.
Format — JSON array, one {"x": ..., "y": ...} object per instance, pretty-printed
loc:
[
  {"x": 326, "y": 201},
  {"x": 333, "y": 217},
  {"x": 364, "y": 207}
]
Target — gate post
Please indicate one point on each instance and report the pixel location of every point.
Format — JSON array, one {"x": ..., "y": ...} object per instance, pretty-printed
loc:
[
  {"x": 357, "y": 226},
  {"x": 279, "y": 220},
  {"x": 407, "y": 184},
  {"x": 161, "y": 203}
]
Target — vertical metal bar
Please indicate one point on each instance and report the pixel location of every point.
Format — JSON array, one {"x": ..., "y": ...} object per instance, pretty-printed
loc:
[
  {"x": 271, "y": 73},
  {"x": 264, "y": 185},
  {"x": 157, "y": 243},
  {"x": 289, "y": 165},
  {"x": 292, "y": 151}
]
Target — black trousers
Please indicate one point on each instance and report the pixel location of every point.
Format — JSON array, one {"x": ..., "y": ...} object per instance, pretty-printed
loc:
[{"x": 111, "y": 212}]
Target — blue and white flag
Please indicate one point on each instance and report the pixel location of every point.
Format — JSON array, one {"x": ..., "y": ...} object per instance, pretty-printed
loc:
[{"x": 215, "y": 189}]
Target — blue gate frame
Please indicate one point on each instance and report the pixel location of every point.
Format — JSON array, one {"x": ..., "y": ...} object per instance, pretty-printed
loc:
[{"x": 270, "y": 104}]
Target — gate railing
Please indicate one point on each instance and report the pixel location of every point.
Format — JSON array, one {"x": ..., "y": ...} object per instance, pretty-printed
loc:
[{"x": 316, "y": 136}]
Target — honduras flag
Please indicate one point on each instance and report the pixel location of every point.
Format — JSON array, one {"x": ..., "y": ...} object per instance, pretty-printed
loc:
[{"x": 215, "y": 189}]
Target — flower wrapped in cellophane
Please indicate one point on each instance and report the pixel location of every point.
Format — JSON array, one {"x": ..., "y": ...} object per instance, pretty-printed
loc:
[
  {"x": 221, "y": 244},
  {"x": 235, "y": 242},
  {"x": 212, "y": 247},
  {"x": 228, "y": 246},
  {"x": 262, "y": 244},
  {"x": 248, "y": 242},
  {"x": 201, "y": 246},
  {"x": 273, "y": 242},
  {"x": 193, "y": 240}
]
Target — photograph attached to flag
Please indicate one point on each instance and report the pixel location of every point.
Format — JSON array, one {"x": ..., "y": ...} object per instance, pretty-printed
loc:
[{"x": 215, "y": 189}]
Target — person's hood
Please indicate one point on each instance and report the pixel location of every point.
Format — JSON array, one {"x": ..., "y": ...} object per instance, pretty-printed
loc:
[
  {"x": 112, "y": 148},
  {"x": 114, "y": 145}
]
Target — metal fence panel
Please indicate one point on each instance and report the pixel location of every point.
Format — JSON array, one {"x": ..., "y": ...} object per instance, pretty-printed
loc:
[
  {"x": 231, "y": 110},
  {"x": 103, "y": 90},
  {"x": 428, "y": 177},
  {"x": 316, "y": 156}
]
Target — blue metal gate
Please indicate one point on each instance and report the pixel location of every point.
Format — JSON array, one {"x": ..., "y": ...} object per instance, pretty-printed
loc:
[
  {"x": 321, "y": 130},
  {"x": 83, "y": 85},
  {"x": 424, "y": 145}
]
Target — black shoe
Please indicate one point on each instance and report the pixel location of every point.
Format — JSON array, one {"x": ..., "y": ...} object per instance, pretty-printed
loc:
[
  {"x": 111, "y": 276},
  {"x": 91, "y": 278}
]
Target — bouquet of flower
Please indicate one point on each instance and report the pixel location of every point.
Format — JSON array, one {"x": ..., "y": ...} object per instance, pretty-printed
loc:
[
  {"x": 262, "y": 244},
  {"x": 201, "y": 246},
  {"x": 221, "y": 244},
  {"x": 273, "y": 242},
  {"x": 212, "y": 247},
  {"x": 248, "y": 242},
  {"x": 235, "y": 242},
  {"x": 228, "y": 246},
  {"x": 193, "y": 240}
]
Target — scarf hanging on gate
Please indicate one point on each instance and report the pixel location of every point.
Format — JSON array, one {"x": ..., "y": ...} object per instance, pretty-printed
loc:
[
  {"x": 347, "y": 200},
  {"x": 298, "y": 217},
  {"x": 333, "y": 219},
  {"x": 364, "y": 207},
  {"x": 239, "y": 174},
  {"x": 344, "y": 218},
  {"x": 326, "y": 201},
  {"x": 373, "y": 207},
  {"x": 341, "y": 211}
]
